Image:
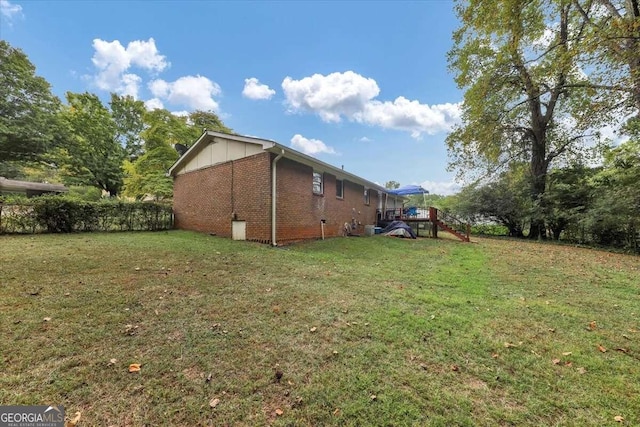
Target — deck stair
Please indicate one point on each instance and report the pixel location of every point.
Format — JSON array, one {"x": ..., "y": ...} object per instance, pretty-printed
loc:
[{"x": 451, "y": 224}]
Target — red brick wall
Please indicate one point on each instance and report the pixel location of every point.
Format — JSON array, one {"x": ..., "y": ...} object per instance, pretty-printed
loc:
[
  {"x": 252, "y": 195},
  {"x": 205, "y": 200},
  {"x": 299, "y": 211}
]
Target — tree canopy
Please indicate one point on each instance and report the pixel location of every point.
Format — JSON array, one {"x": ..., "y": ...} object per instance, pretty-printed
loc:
[
  {"x": 92, "y": 154},
  {"x": 525, "y": 94},
  {"x": 28, "y": 109}
]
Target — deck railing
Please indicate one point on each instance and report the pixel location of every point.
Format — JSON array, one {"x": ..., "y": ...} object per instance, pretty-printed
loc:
[{"x": 402, "y": 214}]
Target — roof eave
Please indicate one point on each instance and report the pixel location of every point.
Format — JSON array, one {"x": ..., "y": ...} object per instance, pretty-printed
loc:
[
  {"x": 325, "y": 167},
  {"x": 273, "y": 147}
]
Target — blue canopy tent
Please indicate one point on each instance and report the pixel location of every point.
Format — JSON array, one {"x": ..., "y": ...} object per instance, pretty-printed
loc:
[{"x": 407, "y": 190}]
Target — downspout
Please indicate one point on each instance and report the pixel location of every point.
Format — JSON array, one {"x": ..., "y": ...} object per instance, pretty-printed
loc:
[{"x": 273, "y": 198}]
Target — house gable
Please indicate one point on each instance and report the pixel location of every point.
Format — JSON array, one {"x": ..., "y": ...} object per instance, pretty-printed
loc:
[{"x": 214, "y": 151}]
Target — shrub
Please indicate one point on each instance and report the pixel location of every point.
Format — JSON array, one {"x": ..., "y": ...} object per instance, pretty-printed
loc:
[{"x": 63, "y": 214}]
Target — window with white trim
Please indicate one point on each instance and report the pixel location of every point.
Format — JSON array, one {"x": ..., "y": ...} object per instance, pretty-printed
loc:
[
  {"x": 317, "y": 182},
  {"x": 367, "y": 200}
]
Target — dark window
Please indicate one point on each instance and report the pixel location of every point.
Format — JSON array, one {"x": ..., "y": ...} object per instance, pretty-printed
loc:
[
  {"x": 339, "y": 188},
  {"x": 317, "y": 183},
  {"x": 366, "y": 196}
]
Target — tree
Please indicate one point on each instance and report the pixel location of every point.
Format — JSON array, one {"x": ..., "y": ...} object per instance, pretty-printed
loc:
[
  {"x": 392, "y": 185},
  {"x": 147, "y": 175},
  {"x": 200, "y": 120},
  {"x": 92, "y": 154},
  {"x": 28, "y": 109},
  {"x": 612, "y": 50},
  {"x": 504, "y": 201},
  {"x": 568, "y": 197},
  {"x": 162, "y": 128},
  {"x": 128, "y": 115},
  {"x": 524, "y": 95},
  {"x": 614, "y": 219}
]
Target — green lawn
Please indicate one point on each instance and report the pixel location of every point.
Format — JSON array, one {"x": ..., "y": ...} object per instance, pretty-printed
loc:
[{"x": 365, "y": 331}]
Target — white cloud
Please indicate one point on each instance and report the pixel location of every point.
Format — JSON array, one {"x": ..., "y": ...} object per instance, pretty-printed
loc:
[
  {"x": 365, "y": 139},
  {"x": 331, "y": 96},
  {"x": 180, "y": 113},
  {"x": 113, "y": 60},
  {"x": 130, "y": 85},
  {"x": 194, "y": 92},
  {"x": 159, "y": 88},
  {"x": 9, "y": 10},
  {"x": 441, "y": 188},
  {"x": 154, "y": 104},
  {"x": 352, "y": 96},
  {"x": 253, "y": 89},
  {"x": 410, "y": 116},
  {"x": 310, "y": 146}
]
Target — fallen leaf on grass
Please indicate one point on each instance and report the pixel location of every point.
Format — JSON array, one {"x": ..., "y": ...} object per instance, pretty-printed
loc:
[
  {"x": 373, "y": 397},
  {"x": 73, "y": 422},
  {"x": 602, "y": 349},
  {"x": 297, "y": 403},
  {"x": 279, "y": 412},
  {"x": 112, "y": 361},
  {"x": 214, "y": 402},
  {"x": 623, "y": 350},
  {"x": 46, "y": 319},
  {"x": 495, "y": 355},
  {"x": 592, "y": 325},
  {"x": 509, "y": 345},
  {"x": 313, "y": 329},
  {"x": 134, "y": 367},
  {"x": 568, "y": 364},
  {"x": 455, "y": 368},
  {"x": 618, "y": 418},
  {"x": 582, "y": 371},
  {"x": 556, "y": 361},
  {"x": 336, "y": 412},
  {"x": 566, "y": 353},
  {"x": 552, "y": 329},
  {"x": 130, "y": 329}
]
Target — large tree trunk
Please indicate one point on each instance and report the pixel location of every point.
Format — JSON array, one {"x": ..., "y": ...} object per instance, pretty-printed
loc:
[
  {"x": 634, "y": 68},
  {"x": 515, "y": 230},
  {"x": 633, "y": 46},
  {"x": 539, "y": 166}
]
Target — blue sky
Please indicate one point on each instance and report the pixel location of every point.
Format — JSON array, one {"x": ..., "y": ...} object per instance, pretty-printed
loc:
[{"x": 359, "y": 84}]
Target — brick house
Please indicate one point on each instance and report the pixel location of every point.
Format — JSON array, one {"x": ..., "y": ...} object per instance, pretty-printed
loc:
[{"x": 255, "y": 189}]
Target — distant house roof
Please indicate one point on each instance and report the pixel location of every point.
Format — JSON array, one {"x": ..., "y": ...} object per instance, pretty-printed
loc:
[
  {"x": 272, "y": 147},
  {"x": 29, "y": 188}
]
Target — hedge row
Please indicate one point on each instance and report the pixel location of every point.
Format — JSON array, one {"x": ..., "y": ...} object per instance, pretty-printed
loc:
[{"x": 55, "y": 214}]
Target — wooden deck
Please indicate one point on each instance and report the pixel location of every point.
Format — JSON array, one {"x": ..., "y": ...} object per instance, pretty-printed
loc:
[{"x": 437, "y": 220}]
